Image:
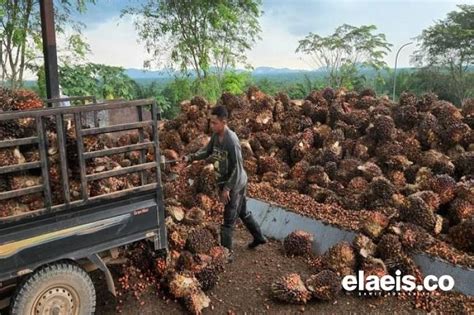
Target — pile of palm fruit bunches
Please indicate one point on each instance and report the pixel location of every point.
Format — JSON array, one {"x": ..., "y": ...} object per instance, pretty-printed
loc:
[{"x": 400, "y": 174}]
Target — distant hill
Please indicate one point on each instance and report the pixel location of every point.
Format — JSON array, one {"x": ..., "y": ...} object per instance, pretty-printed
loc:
[
  {"x": 259, "y": 72},
  {"x": 145, "y": 74}
]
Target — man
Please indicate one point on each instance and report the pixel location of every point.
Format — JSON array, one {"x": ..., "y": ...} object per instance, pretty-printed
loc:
[{"x": 224, "y": 151}]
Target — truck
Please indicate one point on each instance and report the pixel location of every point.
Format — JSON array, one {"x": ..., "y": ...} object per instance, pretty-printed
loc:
[{"x": 45, "y": 254}]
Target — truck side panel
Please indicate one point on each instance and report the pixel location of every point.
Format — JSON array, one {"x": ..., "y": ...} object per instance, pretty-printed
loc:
[{"x": 78, "y": 235}]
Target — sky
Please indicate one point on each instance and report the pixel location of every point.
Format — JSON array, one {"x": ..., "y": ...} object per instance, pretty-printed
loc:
[{"x": 114, "y": 41}]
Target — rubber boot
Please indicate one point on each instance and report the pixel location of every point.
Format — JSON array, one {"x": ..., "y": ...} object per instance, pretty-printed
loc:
[
  {"x": 254, "y": 229},
  {"x": 226, "y": 240}
]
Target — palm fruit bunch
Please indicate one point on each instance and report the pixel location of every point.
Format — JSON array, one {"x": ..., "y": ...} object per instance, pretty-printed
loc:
[
  {"x": 230, "y": 101},
  {"x": 347, "y": 170},
  {"x": 302, "y": 145},
  {"x": 205, "y": 202},
  {"x": 271, "y": 164},
  {"x": 13, "y": 207},
  {"x": 375, "y": 224},
  {"x": 206, "y": 180},
  {"x": 298, "y": 243},
  {"x": 11, "y": 156},
  {"x": 185, "y": 286},
  {"x": 219, "y": 256},
  {"x": 256, "y": 147},
  {"x": 464, "y": 163},
  {"x": 444, "y": 186},
  {"x": 405, "y": 117},
  {"x": 432, "y": 199},
  {"x": 419, "y": 212},
  {"x": 200, "y": 241},
  {"x": 383, "y": 129},
  {"x": 7, "y": 99},
  {"x": 10, "y": 129},
  {"x": 427, "y": 130},
  {"x": 175, "y": 212},
  {"x": 373, "y": 267},
  {"x": 182, "y": 284},
  {"x": 412, "y": 236},
  {"x": 25, "y": 99},
  {"x": 462, "y": 207},
  {"x": 106, "y": 186},
  {"x": 451, "y": 128},
  {"x": 185, "y": 261},
  {"x": 462, "y": 235},
  {"x": 404, "y": 264},
  {"x": 298, "y": 172},
  {"x": 290, "y": 289},
  {"x": 32, "y": 201},
  {"x": 325, "y": 285},
  {"x": 207, "y": 277},
  {"x": 425, "y": 103},
  {"x": 370, "y": 170},
  {"x": 364, "y": 246},
  {"x": 196, "y": 301},
  {"x": 194, "y": 216},
  {"x": 177, "y": 235},
  {"x": 389, "y": 246},
  {"x": 340, "y": 258},
  {"x": 380, "y": 192}
]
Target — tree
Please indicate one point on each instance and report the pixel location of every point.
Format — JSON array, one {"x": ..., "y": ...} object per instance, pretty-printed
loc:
[
  {"x": 197, "y": 35},
  {"x": 235, "y": 82},
  {"x": 20, "y": 34},
  {"x": 341, "y": 53},
  {"x": 448, "y": 46},
  {"x": 302, "y": 89},
  {"x": 105, "y": 82}
]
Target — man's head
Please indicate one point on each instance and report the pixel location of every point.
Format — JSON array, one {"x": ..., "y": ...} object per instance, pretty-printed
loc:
[{"x": 219, "y": 118}]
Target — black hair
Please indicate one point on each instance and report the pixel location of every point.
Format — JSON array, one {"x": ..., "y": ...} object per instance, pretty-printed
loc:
[{"x": 220, "y": 111}]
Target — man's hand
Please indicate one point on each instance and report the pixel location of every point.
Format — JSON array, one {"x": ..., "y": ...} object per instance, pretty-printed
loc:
[{"x": 225, "y": 196}]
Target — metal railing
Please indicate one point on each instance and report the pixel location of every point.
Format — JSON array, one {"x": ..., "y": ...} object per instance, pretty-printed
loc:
[{"x": 77, "y": 113}]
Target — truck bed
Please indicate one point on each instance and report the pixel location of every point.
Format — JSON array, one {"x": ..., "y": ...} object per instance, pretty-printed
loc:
[{"x": 77, "y": 229}]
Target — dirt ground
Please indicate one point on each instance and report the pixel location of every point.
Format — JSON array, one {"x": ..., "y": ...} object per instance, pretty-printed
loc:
[{"x": 244, "y": 289}]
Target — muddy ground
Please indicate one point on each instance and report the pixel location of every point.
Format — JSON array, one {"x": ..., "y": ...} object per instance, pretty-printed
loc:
[{"x": 244, "y": 289}]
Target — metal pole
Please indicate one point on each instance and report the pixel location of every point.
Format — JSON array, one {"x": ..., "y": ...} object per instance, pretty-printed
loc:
[
  {"x": 395, "y": 70},
  {"x": 49, "y": 48}
]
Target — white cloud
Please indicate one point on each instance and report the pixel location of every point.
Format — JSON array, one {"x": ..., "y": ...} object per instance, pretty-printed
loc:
[
  {"x": 277, "y": 47},
  {"x": 115, "y": 42}
]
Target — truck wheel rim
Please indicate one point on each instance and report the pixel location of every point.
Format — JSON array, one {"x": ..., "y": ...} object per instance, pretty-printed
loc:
[{"x": 57, "y": 300}]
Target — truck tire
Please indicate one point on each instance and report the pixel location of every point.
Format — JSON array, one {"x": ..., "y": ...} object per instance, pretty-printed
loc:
[{"x": 61, "y": 288}]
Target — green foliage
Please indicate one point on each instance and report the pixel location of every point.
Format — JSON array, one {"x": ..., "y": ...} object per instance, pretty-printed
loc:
[
  {"x": 447, "y": 47},
  {"x": 305, "y": 87},
  {"x": 197, "y": 34},
  {"x": 178, "y": 90},
  {"x": 235, "y": 82},
  {"x": 343, "y": 51},
  {"x": 20, "y": 35},
  {"x": 170, "y": 95},
  {"x": 155, "y": 90},
  {"x": 208, "y": 87},
  {"x": 105, "y": 82}
]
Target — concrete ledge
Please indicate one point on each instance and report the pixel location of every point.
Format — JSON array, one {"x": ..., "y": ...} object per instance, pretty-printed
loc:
[{"x": 278, "y": 222}]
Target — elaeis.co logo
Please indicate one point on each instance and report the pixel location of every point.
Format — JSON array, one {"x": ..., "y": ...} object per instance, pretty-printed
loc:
[{"x": 395, "y": 284}]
